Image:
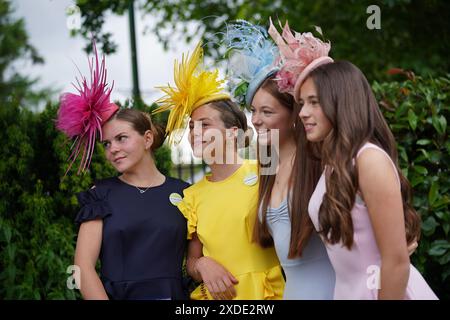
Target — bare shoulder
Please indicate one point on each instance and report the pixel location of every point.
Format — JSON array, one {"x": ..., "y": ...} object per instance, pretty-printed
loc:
[
  {"x": 374, "y": 160},
  {"x": 375, "y": 168}
]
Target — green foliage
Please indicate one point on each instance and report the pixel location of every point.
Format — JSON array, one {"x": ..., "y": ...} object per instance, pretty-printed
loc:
[
  {"x": 416, "y": 110},
  {"x": 408, "y": 37},
  {"x": 36, "y": 243}
]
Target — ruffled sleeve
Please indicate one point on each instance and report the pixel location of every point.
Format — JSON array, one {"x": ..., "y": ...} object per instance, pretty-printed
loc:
[
  {"x": 187, "y": 208},
  {"x": 94, "y": 205}
]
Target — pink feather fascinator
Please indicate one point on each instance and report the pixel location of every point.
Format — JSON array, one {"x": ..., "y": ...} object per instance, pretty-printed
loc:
[
  {"x": 81, "y": 116},
  {"x": 300, "y": 53}
]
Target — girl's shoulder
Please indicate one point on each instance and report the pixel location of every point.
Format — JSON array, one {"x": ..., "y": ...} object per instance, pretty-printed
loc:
[
  {"x": 374, "y": 155},
  {"x": 376, "y": 160},
  {"x": 94, "y": 202},
  {"x": 370, "y": 145}
]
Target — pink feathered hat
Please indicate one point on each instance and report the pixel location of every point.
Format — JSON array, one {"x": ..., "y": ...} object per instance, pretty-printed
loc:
[
  {"x": 81, "y": 116},
  {"x": 300, "y": 53}
]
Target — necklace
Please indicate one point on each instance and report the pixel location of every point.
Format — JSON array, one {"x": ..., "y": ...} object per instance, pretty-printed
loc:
[{"x": 143, "y": 190}]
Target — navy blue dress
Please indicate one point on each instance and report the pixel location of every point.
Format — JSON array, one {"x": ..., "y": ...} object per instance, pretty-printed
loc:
[{"x": 144, "y": 238}]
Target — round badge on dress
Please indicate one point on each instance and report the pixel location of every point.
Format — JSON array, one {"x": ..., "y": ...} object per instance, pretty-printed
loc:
[
  {"x": 175, "y": 198},
  {"x": 251, "y": 179}
]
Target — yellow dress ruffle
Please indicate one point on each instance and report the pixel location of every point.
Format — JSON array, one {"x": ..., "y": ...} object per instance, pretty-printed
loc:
[{"x": 191, "y": 217}]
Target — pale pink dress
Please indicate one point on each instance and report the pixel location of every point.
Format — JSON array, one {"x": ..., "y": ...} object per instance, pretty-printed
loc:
[{"x": 356, "y": 269}]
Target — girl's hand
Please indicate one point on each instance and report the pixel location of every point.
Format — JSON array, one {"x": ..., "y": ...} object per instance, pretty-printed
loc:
[{"x": 219, "y": 281}]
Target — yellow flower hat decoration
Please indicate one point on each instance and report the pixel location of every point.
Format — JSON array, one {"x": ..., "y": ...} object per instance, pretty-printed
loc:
[{"x": 193, "y": 88}]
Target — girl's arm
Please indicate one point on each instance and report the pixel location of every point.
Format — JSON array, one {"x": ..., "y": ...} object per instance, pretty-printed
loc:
[
  {"x": 194, "y": 253},
  {"x": 86, "y": 254},
  {"x": 219, "y": 281},
  {"x": 381, "y": 192}
]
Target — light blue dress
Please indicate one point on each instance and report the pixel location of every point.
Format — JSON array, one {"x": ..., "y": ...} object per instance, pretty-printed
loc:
[{"x": 310, "y": 277}]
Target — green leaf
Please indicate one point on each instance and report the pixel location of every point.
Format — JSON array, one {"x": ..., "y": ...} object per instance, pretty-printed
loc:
[
  {"x": 416, "y": 180},
  {"x": 403, "y": 154},
  {"x": 425, "y": 153},
  {"x": 441, "y": 96},
  {"x": 423, "y": 142},
  {"x": 7, "y": 233},
  {"x": 429, "y": 225},
  {"x": 439, "y": 247},
  {"x": 405, "y": 172},
  {"x": 446, "y": 227},
  {"x": 440, "y": 124},
  {"x": 412, "y": 118},
  {"x": 443, "y": 122},
  {"x": 433, "y": 194},
  {"x": 11, "y": 251},
  {"x": 421, "y": 170},
  {"x": 439, "y": 214},
  {"x": 444, "y": 259}
]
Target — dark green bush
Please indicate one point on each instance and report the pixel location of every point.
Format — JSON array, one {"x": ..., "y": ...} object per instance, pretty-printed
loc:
[{"x": 417, "y": 110}]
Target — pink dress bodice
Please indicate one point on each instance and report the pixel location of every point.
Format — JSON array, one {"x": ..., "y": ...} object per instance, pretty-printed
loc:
[{"x": 357, "y": 269}]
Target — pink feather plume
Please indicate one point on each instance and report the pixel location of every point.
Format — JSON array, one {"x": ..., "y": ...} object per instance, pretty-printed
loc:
[
  {"x": 297, "y": 51},
  {"x": 81, "y": 115}
]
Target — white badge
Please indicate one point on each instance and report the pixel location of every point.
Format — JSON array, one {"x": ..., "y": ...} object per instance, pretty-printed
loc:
[
  {"x": 251, "y": 179},
  {"x": 175, "y": 199}
]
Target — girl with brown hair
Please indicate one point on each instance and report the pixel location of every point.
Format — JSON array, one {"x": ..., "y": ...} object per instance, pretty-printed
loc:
[
  {"x": 127, "y": 222},
  {"x": 285, "y": 186},
  {"x": 361, "y": 205},
  {"x": 350, "y": 123},
  {"x": 222, "y": 207}
]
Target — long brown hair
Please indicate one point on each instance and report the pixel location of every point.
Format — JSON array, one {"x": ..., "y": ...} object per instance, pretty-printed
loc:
[
  {"x": 350, "y": 105},
  {"x": 304, "y": 170}
]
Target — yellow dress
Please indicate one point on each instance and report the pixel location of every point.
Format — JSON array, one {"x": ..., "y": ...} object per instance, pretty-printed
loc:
[{"x": 223, "y": 214}]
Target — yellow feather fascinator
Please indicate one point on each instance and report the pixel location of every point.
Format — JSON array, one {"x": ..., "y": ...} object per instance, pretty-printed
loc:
[{"x": 193, "y": 88}]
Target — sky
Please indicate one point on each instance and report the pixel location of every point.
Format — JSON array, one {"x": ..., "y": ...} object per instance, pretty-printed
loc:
[{"x": 46, "y": 25}]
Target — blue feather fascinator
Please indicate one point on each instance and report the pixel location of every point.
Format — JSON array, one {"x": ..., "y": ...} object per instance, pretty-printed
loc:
[{"x": 252, "y": 59}]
